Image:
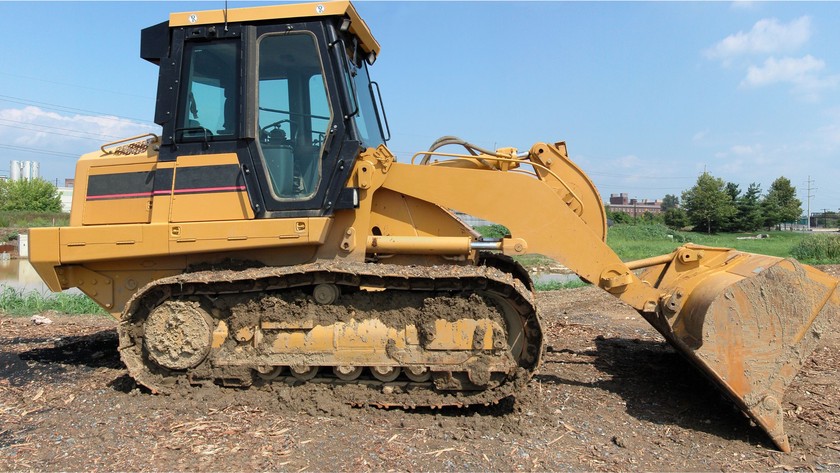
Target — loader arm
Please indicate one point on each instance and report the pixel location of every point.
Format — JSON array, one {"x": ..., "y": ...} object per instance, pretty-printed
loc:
[
  {"x": 748, "y": 322},
  {"x": 533, "y": 211}
]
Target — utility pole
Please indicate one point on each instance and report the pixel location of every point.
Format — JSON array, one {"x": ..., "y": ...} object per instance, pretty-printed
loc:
[{"x": 808, "y": 215}]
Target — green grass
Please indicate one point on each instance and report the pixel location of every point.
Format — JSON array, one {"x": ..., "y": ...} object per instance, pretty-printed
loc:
[
  {"x": 534, "y": 260},
  {"x": 632, "y": 242},
  {"x": 25, "y": 219},
  {"x": 20, "y": 303},
  {"x": 12, "y": 223},
  {"x": 557, "y": 285},
  {"x": 779, "y": 244},
  {"x": 818, "y": 249},
  {"x": 492, "y": 231}
]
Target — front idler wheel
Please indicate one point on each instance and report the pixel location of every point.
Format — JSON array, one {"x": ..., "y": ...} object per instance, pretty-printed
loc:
[{"x": 178, "y": 334}]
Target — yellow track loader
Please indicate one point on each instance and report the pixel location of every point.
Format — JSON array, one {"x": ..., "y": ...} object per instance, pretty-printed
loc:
[{"x": 269, "y": 235}]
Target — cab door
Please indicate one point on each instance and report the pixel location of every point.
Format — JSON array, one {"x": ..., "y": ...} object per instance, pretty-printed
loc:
[{"x": 300, "y": 154}]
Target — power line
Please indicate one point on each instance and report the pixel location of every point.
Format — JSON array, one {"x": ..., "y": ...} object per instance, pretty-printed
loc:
[
  {"x": 52, "y": 132},
  {"x": 809, "y": 200},
  {"x": 620, "y": 187},
  {"x": 607, "y": 174},
  {"x": 36, "y": 150},
  {"x": 76, "y": 86},
  {"x": 49, "y": 129},
  {"x": 65, "y": 109}
]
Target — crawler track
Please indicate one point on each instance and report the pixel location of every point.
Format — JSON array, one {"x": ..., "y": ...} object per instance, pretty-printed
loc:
[{"x": 389, "y": 335}]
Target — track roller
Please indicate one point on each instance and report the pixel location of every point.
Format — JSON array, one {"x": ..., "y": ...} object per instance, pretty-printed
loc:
[
  {"x": 304, "y": 373},
  {"x": 269, "y": 373},
  {"x": 326, "y": 294},
  {"x": 418, "y": 374},
  {"x": 347, "y": 373},
  {"x": 386, "y": 374}
]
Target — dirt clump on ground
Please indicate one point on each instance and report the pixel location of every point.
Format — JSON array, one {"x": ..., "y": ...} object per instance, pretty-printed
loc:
[{"x": 610, "y": 395}]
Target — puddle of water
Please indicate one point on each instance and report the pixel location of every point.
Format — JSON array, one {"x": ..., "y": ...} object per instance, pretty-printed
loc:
[{"x": 20, "y": 275}]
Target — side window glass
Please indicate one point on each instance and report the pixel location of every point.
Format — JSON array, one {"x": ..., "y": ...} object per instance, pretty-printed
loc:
[
  {"x": 367, "y": 120},
  {"x": 294, "y": 114},
  {"x": 209, "y": 108},
  {"x": 320, "y": 120}
]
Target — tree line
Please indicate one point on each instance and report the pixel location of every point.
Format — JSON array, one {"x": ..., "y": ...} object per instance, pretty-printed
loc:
[
  {"x": 35, "y": 195},
  {"x": 713, "y": 205}
]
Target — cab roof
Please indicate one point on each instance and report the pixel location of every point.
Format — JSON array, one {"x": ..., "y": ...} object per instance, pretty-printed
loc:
[{"x": 358, "y": 27}]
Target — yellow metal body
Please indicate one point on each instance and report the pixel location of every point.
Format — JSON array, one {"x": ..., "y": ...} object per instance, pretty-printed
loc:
[
  {"x": 278, "y": 12},
  {"x": 698, "y": 298},
  {"x": 160, "y": 233},
  {"x": 748, "y": 321}
]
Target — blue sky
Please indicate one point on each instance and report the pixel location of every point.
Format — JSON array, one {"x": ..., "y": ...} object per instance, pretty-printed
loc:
[{"x": 647, "y": 95}]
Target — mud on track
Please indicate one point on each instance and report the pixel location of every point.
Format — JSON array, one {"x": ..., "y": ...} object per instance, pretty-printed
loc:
[{"x": 611, "y": 395}]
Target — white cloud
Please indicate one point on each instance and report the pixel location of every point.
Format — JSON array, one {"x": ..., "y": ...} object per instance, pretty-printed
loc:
[
  {"x": 36, "y": 126},
  {"x": 805, "y": 74},
  {"x": 787, "y": 69},
  {"x": 744, "y": 150},
  {"x": 732, "y": 167},
  {"x": 627, "y": 162},
  {"x": 775, "y": 41},
  {"x": 741, "y": 151},
  {"x": 56, "y": 140},
  {"x": 767, "y": 36}
]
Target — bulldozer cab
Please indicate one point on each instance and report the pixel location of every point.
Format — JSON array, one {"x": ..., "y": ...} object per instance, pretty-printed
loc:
[{"x": 290, "y": 95}]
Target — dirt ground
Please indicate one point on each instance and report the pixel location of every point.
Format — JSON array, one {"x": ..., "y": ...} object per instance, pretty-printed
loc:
[{"x": 611, "y": 395}]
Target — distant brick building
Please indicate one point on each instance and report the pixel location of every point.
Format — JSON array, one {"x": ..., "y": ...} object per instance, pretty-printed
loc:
[{"x": 634, "y": 207}]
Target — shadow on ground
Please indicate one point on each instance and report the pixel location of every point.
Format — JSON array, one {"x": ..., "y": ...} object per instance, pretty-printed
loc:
[
  {"x": 63, "y": 360},
  {"x": 97, "y": 350},
  {"x": 660, "y": 386}
]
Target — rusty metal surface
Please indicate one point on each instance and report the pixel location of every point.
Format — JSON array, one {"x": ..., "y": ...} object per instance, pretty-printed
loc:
[{"x": 749, "y": 323}]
